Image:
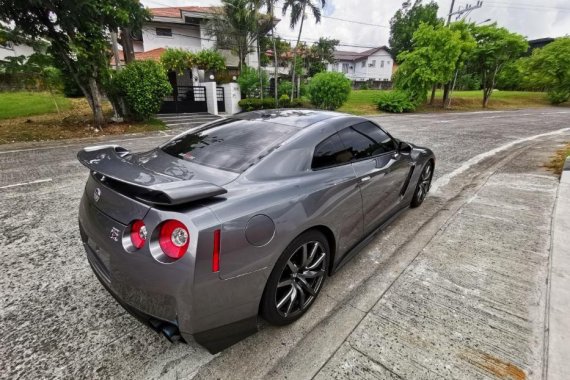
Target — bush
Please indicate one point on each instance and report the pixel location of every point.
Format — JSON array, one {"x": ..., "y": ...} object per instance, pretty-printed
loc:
[
  {"x": 248, "y": 81},
  {"x": 329, "y": 90},
  {"x": 558, "y": 96},
  {"x": 210, "y": 60},
  {"x": 284, "y": 88},
  {"x": 252, "y": 104},
  {"x": 142, "y": 85},
  {"x": 177, "y": 60},
  {"x": 395, "y": 101}
]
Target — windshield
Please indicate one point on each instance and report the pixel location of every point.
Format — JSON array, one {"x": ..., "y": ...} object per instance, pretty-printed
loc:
[{"x": 230, "y": 144}]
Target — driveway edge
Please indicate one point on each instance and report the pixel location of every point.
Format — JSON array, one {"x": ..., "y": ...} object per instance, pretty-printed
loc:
[{"x": 559, "y": 298}]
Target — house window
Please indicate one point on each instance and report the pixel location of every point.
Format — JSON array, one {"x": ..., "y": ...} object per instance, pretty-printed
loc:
[
  {"x": 373, "y": 63},
  {"x": 363, "y": 63},
  {"x": 345, "y": 68},
  {"x": 388, "y": 63},
  {"x": 192, "y": 20},
  {"x": 164, "y": 32},
  {"x": 381, "y": 63}
]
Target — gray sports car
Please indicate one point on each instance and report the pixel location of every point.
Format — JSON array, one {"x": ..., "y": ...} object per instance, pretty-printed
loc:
[{"x": 241, "y": 217}]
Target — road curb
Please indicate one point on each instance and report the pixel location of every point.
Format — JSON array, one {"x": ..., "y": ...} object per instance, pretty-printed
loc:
[{"x": 559, "y": 298}]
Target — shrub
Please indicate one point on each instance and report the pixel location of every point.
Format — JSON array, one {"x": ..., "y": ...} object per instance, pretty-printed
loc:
[
  {"x": 329, "y": 90},
  {"x": 248, "y": 81},
  {"x": 177, "y": 60},
  {"x": 142, "y": 85},
  {"x": 252, "y": 104},
  {"x": 558, "y": 96},
  {"x": 284, "y": 88},
  {"x": 210, "y": 60},
  {"x": 395, "y": 101}
]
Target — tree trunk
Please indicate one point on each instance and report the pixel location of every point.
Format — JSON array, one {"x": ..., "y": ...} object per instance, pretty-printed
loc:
[
  {"x": 448, "y": 104},
  {"x": 295, "y": 54},
  {"x": 445, "y": 94},
  {"x": 259, "y": 69},
  {"x": 433, "y": 88},
  {"x": 127, "y": 42},
  {"x": 275, "y": 71},
  {"x": 95, "y": 96}
]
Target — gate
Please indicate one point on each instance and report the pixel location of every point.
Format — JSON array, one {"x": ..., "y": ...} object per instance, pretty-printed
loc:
[
  {"x": 185, "y": 99},
  {"x": 220, "y": 96}
]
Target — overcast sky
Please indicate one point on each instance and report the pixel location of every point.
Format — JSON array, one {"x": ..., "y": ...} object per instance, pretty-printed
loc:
[{"x": 531, "y": 18}]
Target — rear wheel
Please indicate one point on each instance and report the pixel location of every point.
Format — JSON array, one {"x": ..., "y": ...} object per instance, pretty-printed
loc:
[
  {"x": 297, "y": 279},
  {"x": 424, "y": 183}
]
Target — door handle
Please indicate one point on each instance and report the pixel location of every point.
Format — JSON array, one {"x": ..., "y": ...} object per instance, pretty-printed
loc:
[{"x": 364, "y": 179}]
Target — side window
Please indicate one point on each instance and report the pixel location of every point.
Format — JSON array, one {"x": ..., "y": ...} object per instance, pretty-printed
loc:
[
  {"x": 366, "y": 140},
  {"x": 330, "y": 152}
]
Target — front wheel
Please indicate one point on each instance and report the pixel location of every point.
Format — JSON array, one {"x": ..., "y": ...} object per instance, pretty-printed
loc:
[
  {"x": 297, "y": 279},
  {"x": 424, "y": 183}
]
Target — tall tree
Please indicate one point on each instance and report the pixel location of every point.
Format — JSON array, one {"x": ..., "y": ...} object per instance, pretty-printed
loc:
[
  {"x": 236, "y": 27},
  {"x": 433, "y": 59},
  {"x": 467, "y": 44},
  {"x": 549, "y": 67},
  {"x": 298, "y": 10},
  {"x": 78, "y": 35},
  {"x": 406, "y": 21},
  {"x": 496, "y": 47}
]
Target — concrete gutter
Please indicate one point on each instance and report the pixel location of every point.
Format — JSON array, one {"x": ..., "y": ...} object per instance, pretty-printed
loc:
[{"x": 558, "y": 357}]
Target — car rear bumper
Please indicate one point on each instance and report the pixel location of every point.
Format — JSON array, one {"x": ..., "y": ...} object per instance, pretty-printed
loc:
[{"x": 215, "y": 313}]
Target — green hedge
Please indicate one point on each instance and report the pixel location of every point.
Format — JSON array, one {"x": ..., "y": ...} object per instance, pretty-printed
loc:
[{"x": 252, "y": 104}]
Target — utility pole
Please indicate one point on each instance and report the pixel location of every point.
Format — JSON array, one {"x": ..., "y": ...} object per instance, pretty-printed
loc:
[
  {"x": 450, "y": 12},
  {"x": 468, "y": 9}
]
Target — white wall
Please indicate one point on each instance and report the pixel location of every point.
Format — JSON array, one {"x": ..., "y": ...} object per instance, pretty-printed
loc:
[
  {"x": 15, "y": 51},
  {"x": 183, "y": 37}
]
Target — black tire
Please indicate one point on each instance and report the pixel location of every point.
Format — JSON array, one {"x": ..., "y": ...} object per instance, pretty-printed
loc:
[
  {"x": 296, "y": 280},
  {"x": 423, "y": 185}
]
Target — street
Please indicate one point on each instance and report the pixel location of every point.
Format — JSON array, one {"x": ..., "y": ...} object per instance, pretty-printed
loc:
[{"x": 453, "y": 289}]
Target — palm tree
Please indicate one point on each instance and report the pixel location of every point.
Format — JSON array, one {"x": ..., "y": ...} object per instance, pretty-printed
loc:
[{"x": 298, "y": 10}]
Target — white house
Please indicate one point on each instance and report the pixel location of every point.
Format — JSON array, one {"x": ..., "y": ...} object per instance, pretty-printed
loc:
[
  {"x": 374, "y": 64},
  {"x": 183, "y": 28}
]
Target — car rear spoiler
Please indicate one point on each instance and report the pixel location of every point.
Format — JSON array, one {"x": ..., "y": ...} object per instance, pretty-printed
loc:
[{"x": 116, "y": 169}]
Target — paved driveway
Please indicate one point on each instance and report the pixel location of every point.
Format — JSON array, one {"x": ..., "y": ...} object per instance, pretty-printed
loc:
[{"x": 56, "y": 320}]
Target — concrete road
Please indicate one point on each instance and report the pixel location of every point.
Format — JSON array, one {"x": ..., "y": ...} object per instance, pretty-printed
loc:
[{"x": 454, "y": 289}]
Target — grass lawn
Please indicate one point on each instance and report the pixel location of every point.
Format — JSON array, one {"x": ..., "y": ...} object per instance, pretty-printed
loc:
[
  {"x": 21, "y": 104},
  {"x": 75, "y": 121},
  {"x": 363, "y": 102}
]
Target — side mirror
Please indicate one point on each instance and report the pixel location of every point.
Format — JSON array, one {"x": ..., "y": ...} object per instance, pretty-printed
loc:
[{"x": 404, "y": 147}]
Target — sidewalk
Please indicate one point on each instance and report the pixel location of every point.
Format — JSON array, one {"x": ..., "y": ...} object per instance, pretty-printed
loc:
[{"x": 472, "y": 304}]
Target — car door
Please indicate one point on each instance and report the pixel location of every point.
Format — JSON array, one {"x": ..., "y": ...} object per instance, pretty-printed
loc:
[
  {"x": 380, "y": 169},
  {"x": 332, "y": 160}
]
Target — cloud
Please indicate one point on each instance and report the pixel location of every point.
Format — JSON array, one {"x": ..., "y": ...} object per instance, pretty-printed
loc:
[{"x": 541, "y": 18}]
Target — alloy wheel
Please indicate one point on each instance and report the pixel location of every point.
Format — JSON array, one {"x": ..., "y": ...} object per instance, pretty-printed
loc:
[
  {"x": 424, "y": 183},
  {"x": 301, "y": 279}
]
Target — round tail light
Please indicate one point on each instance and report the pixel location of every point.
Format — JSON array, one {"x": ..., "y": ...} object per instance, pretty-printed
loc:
[
  {"x": 138, "y": 234},
  {"x": 174, "y": 239}
]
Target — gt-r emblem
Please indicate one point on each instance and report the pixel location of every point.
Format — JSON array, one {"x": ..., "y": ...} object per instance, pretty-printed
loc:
[
  {"x": 97, "y": 194},
  {"x": 114, "y": 234}
]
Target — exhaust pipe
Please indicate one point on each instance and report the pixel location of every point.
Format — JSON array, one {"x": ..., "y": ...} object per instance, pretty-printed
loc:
[
  {"x": 169, "y": 330},
  {"x": 171, "y": 333}
]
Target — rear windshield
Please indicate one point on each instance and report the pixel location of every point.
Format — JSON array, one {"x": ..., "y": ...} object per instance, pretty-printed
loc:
[{"x": 230, "y": 144}]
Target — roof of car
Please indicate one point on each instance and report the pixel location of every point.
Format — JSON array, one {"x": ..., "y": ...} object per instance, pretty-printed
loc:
[{"x": 298, "y": 118}]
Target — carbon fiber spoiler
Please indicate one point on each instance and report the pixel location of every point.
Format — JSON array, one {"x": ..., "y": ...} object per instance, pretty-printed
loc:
[{"x": 111, "y": 164}]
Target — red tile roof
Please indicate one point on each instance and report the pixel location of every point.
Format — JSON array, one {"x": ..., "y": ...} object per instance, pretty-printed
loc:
[
  {"x": 153, "y": 54},
  {"x": 176, "y": 12}
]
